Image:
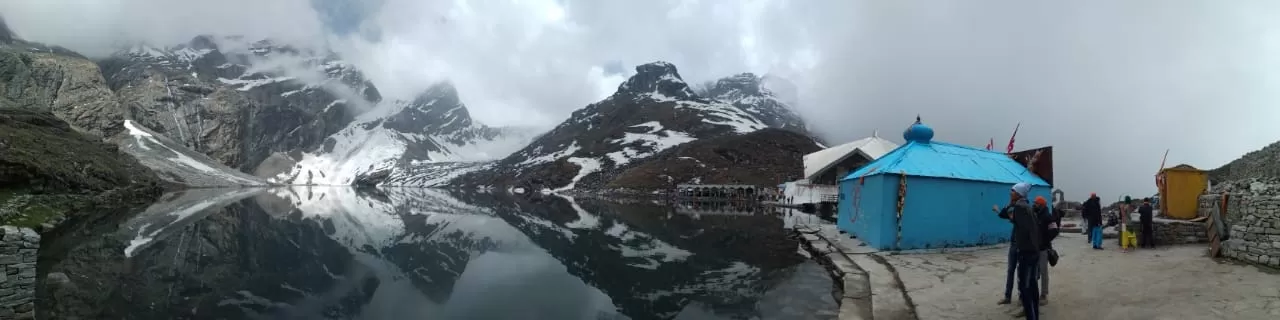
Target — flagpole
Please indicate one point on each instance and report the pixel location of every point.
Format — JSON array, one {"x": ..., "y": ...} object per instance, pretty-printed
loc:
[
  {"x": 1160, "y": 185},
  {"x": 1009, "y": 149},
  {"x": 1162, "y": 159}
]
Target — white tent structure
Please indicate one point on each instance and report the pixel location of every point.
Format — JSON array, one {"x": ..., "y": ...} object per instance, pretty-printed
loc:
[
  {"x": 824, "y": 168},
  {"x": 871, "y": 148}
]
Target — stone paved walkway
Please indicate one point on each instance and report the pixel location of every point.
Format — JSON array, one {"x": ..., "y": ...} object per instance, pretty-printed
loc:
[{"x": 1165, "y": 283}]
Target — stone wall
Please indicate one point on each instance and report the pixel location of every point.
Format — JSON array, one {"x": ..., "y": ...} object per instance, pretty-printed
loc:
[
  {"x": 1254, "y": 226},
  {"x": 18, "y": 281},
  {"x": 1170, "y": 232}
]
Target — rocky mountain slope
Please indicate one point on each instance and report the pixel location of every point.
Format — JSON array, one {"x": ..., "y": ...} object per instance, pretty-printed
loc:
[
  {"x": 303, "y": 116},
  {"x": 50, "y": 78},
  {"x": 759, "y": 158},
  {"x": 433, "y": 128},
  {"x": 235, "y": 100},
  {"x": 48, "y": 171},
  {"x": 652, "y": 111},
  {"x": 1262, "y": 163},
  {"x": 177, "y": 164},
  {"x": 747, "y": 92}
]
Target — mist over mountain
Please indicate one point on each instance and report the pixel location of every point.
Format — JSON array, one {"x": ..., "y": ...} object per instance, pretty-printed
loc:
[{"x": 856, "y": 67}]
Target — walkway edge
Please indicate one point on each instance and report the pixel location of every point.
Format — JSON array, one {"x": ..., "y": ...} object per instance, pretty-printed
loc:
[
  {"x": 888, "y": 295},
  {"x": 871, "y": 288}
]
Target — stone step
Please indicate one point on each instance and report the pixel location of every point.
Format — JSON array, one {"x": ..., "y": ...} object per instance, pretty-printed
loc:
[{"x": 888, "y": 295}]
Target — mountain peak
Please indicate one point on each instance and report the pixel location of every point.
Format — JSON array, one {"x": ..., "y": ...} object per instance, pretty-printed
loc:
[
  {"x": 753, "y": 94},
  {"x": 747, "y": 83},
  {"x": 658, "y": 79},
  {"x": 657, "y": 67},
  {"x": 443, "y": 89},
  {"x": 437, "y": 109}
]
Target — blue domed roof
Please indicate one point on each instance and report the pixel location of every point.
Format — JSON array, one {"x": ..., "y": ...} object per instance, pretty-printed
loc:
[{"x": 918, "y": 132}]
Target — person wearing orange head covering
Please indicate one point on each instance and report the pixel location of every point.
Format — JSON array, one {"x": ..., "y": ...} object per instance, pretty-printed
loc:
[{"x": 1049, "y": 231}]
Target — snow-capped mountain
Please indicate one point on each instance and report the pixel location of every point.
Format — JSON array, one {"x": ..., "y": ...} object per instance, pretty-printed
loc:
[
  {"x": 238, "y": 101},
  {"x": 652, "y": 111},
  {"x": 401, "y": 137},
  {"x": 749, "y": 93}
]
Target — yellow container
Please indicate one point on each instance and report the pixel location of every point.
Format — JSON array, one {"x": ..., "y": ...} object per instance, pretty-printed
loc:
[{"x": 1180, "y": 195}]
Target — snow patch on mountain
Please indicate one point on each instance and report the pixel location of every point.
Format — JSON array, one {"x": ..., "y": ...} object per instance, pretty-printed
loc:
[
  {"x": 178, "y": 55},
  {"x": 249, "y": 84},
  {"x": 726, "y": 115},
  {"x": 551, "y": 157},
  {"x": 426, "y": 174},
  {"x": 752, "y": 95},
  {"x": 400, "y": 140},
  {"x": 585, "y": 166},
  {"x": 654, "y": 140},
  {"x": 175, "y": 163},
  {"x": 355, "y": 150}
]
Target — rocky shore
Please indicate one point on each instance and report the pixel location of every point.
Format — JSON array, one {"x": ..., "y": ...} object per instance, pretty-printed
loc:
[{"x": 51, "y": 172}]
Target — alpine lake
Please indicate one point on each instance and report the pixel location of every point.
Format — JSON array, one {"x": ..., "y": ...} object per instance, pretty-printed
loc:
[{"x": 346, "y": 253}]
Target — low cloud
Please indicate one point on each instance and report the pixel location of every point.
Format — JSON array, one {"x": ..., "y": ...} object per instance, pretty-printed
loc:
[{"x": 1110, "y": 84}]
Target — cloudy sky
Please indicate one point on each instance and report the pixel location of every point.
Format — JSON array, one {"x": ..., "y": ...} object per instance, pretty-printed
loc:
[{"x": 1110, "y": 84}]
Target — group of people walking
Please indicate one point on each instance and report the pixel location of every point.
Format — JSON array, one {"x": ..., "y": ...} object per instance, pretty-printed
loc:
[{"x": 1031, "y": 251}]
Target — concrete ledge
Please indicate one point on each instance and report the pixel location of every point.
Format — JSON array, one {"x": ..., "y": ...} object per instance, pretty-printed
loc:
[
  {"x": 888, "y": 295},
  {"x": 870, "y": 289},
  {"x": 855, "y": 291}
]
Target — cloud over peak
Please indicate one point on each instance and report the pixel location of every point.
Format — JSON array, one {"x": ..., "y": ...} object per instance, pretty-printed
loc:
[{"x": 1110, "y": 84}]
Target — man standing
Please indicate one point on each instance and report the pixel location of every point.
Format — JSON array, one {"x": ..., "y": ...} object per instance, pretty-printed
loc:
[
  {"x": 1148, "y": 238},
  {"x": 1049, "y": 231},
  {"x": 1093, "y": 214},
  {"x": 1027, "y": 243}
]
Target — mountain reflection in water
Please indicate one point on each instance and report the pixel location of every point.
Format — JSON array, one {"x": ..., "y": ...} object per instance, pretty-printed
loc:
[{"x": 343, "y": 253}]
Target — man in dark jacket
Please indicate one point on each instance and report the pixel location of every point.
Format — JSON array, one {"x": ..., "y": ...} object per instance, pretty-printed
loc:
[
  {"x": 1093, "y": 215},
  {"x": 1026, "y": 244},
  {"x": 1147, "y": 236}
]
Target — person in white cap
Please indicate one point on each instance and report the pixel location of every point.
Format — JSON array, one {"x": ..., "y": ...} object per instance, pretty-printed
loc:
[{"x": 1027, "y": 242}]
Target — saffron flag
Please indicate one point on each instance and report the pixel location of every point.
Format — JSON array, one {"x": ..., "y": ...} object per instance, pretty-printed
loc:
[
  {"x": 1009, "y": 149},
  {"x": 991, "y": 144}
]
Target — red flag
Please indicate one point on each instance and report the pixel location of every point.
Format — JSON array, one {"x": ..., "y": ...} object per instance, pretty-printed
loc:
[
  {"x": 991, "y": 144},
  {"x": 1015, "y": 134}
]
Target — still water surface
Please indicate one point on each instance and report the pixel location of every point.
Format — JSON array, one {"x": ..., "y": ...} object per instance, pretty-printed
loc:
[{"x": 341, "y": 253}]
